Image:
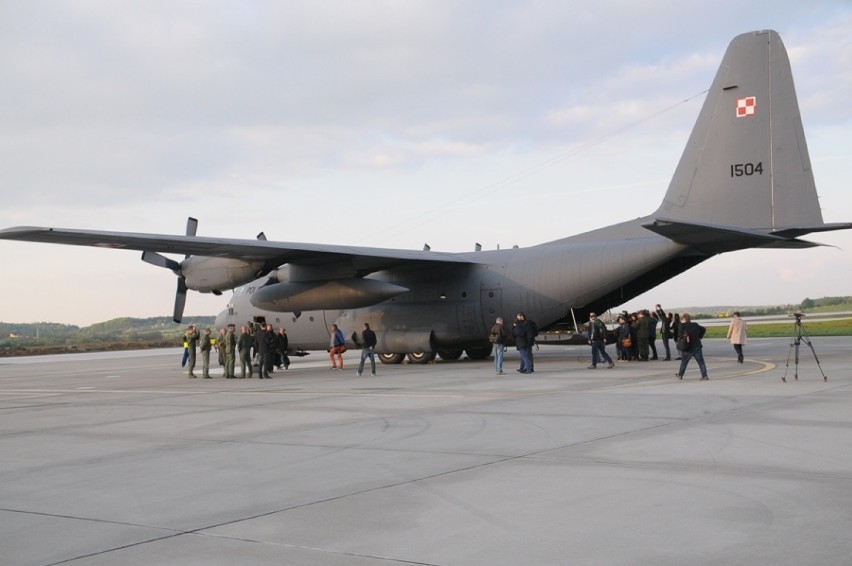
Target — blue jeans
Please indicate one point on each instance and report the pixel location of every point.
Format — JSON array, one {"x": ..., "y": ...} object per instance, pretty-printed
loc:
[
  {"x": 599, "y": 352},
  {"x": 265, "y": 365},
  {"x": 526, "y": 366},
  {"x": 367, "y": 353},
  {"x": 498, "y": 357},
  {"x": 699, "y": 357}
]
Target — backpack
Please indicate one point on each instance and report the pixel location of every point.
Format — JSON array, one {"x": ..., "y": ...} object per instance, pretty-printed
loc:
[
  {"x": 598, "y": 330},
  {"x": 683, "y": 341},
  {"x": 532, "y": 329}
]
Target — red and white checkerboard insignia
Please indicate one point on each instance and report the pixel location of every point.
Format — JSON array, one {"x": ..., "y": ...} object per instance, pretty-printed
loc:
[{"x": 746, "y": 106}]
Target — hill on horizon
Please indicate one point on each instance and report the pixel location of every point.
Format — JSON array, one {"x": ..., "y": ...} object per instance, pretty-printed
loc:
[
  {"x": 126, "y": 329},
  {"x": 123, "y": 329}
]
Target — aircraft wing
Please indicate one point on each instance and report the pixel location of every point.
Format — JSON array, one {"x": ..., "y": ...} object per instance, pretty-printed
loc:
[{"x": 273, "y": 254}]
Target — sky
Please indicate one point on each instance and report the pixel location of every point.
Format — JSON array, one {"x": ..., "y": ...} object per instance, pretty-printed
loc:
[{"x": 383, "y": 123}]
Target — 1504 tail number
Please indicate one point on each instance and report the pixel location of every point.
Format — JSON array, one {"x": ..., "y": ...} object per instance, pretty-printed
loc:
[{"x": 746, "y": 169}]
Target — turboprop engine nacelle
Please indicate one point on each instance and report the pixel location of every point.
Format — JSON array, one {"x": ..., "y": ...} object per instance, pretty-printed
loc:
[
  {"x": 341, "y": 294},
  {"x": 212, "y": 274}
]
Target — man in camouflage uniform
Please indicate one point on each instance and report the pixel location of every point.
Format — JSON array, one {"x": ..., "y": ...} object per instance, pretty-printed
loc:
[
  {"x": 206, "y": 346},
  {"x": 230, "y": 352},
  {"x": 245, "y": 343},
  {"x": 192, "y": 342}
]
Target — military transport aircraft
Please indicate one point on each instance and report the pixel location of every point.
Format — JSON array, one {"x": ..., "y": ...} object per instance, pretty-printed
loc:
[{"x": 743, "y": 181}]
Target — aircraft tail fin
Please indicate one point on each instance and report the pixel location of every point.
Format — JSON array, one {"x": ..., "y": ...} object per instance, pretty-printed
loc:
[{"x": 746, "y": 166}]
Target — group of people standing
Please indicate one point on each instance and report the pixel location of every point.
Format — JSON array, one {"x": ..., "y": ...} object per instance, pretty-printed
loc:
[
  {"x": 523, "y": 334},
  {"x": 635, "y": 340},
  {"x": 635, "y": 334},
  {"x": 337, "y": 345},
  {"x": 256, "y": 342}
]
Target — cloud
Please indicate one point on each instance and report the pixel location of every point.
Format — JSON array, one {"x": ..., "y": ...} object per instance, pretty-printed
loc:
[{"x": 418, "y": 120}]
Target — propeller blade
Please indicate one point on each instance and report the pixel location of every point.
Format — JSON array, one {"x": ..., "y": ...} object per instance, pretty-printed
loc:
[
  {"x": 180, "y": 299},
  {"x": 191, "y": 229},
  {"x": 191, "y": 226},
  {"x": 160, "y": 261}
]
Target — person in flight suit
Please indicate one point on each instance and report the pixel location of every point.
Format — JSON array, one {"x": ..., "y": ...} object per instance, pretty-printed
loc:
[
  {"x": 245, "y": 343},
  {"x": 191, "y": 344},
  {"x": 206, "y": 346},
  {"x": 230, "y": 352}
]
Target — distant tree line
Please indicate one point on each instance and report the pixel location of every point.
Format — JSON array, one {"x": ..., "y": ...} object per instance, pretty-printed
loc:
[
  {"x": 24, "y": 338},
  {"x": 826, "y": 302},
  {"x": 748, "y": 311},
  {"x": 118, "y": 330}
]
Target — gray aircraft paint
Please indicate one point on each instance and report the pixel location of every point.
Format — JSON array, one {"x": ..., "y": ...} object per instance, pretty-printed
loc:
[{"x": 744, "y": 181}]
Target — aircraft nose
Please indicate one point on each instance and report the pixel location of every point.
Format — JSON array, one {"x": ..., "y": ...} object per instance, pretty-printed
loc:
[{"x": 222, "y": 319}]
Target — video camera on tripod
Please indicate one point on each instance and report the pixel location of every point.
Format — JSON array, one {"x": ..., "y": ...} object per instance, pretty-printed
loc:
[{"x": 799, "y": 334}]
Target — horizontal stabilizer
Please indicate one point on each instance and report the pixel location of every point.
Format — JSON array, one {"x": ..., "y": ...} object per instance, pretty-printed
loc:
[
  {"x": 796, "y": 232},
  {"x": 712, "y": 239}
]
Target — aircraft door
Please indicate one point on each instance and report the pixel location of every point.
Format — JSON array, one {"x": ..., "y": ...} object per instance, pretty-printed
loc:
[{"x": 491, "y": 303}]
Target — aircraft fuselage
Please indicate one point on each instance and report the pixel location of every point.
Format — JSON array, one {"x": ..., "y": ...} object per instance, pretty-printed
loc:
[{"x": 453, "y": 306}]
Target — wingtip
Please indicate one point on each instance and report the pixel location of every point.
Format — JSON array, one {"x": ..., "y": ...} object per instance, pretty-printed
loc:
[{"x": 14, "y": 232}]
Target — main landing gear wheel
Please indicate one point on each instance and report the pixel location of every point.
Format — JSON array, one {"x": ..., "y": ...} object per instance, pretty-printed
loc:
[
  {"x": 391, "y": 358},
  {"x": 421, "y": 357},
  {"x": 478, "y": 352},
  {"x": 450, "y": 355}
]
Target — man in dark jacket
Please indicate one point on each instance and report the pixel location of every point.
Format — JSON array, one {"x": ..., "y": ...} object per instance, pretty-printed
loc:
[
  {"x": 642, "y": 334},
  {"x": 264, "y": 344},
  {"x": 674, "y": 324},
  {"x": 523, "y": 342},
  {"x": 368, "y": 346},
  {"x": 653, "y": 320},
  {"x": 283, "y": 346},
  {"x": 597, "y": 339},
  {"x": 665, "y": 330},
  {"x": 689, "y": 343}
]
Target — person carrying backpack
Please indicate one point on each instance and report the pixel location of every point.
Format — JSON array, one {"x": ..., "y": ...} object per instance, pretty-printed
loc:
[
  {"x": 498, "y": 338},
  {"x": 597, "y": 338},
  {"x": 689, "y": 344}
]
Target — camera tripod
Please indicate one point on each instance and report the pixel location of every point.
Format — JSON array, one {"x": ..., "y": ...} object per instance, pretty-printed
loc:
[{"x": 800, "y": 334}]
